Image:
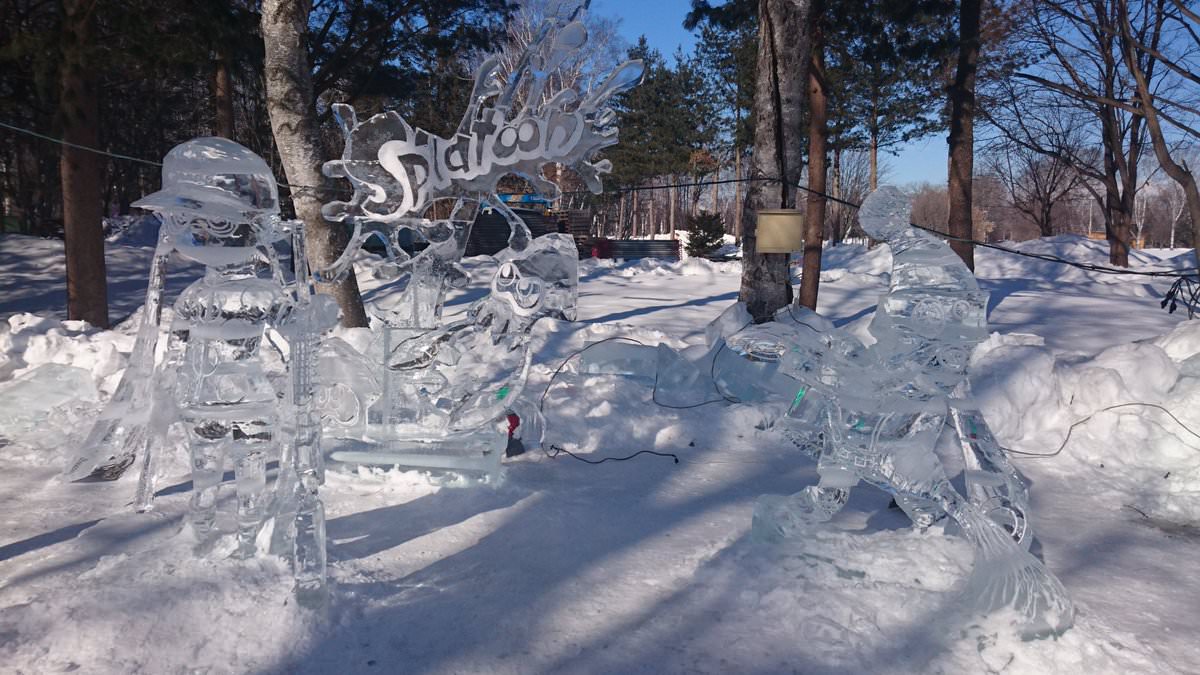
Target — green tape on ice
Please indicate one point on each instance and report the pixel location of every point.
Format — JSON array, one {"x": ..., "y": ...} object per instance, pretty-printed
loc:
[
  {"x": 799, "y": 395},
  {"x": 500, "y": 395}
]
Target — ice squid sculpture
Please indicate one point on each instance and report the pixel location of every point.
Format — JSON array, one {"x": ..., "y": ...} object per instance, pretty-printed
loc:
[{"x": 442, "y": 392}]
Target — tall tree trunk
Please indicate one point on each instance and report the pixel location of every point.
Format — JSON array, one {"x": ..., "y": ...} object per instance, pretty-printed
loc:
[
  {"x": 635, "y": 220},
  {"x": 293, "y": 115},
  {"x": 818, "y": 132},
  {"x": 962, "y": 131},
  {"x": 79, "y": 171},
  {"x": 620, "y": 233},
  {"x": 222, "y": 92},
  {"x": 835, "y": 184},
  {"x": 783, "y": 56}
]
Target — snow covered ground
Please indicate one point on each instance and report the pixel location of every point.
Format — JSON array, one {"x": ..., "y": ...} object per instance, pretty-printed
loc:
[{"x": 643, "y": 566}]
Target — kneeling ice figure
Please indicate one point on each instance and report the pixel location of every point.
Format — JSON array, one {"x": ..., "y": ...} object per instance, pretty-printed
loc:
[{"x": 874, "y": 414}]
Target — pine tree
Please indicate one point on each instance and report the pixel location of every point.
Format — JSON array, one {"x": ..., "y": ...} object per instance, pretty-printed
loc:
[{"x": 706, "y": 233}]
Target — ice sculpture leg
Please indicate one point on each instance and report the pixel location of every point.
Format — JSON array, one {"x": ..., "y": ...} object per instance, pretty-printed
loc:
[
  {"x": 308, "y": 560},
  {"x": 207, "y": 447},
  {"x": 250, "y": 476},
  {"x": 778, "y": 516},
  {"x": 992, "y": 481}
]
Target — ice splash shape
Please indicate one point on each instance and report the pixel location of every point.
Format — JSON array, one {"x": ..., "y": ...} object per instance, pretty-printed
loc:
[
  {"x": 516, "y": 126},
  {"x": 444, "y": 398},
  {"x": 874, "y": 414},
  {"x": 202, "y": 376}
]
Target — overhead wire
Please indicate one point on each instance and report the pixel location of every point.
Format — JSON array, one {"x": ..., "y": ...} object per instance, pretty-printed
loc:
[{"x": 1186, "y": 273}]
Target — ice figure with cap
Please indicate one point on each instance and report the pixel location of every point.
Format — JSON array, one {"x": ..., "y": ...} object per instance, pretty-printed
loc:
[{"x": 201, "y": 377}]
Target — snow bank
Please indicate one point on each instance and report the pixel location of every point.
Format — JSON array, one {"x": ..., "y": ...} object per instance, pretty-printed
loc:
[
  {"x": 999, "y": 265},
  {"x": 49, "y": 414},
  {"x": 1036, "y": 401}
]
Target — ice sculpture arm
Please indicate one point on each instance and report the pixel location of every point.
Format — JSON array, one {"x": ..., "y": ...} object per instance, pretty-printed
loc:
[{"x": 121, "y": 433}]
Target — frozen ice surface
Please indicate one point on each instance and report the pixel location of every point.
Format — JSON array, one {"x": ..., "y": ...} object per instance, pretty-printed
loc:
[{"x": 27, "y": 400}]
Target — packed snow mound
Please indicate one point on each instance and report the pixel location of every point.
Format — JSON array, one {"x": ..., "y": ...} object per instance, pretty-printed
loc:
[
  {"x": 58, "y": 371},
  {"x": 1110, "y": 414},
  {"x": 29, "y": 340},
  {"x": 687, "y": 267},
  {"x": 990, "y": 263}
]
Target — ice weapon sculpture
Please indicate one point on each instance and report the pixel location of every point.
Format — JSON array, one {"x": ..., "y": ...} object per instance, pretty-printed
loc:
[
  {"x": 201, "y": 375},
  {"x": 874, "y": 414},
  {"x": 443, "y": 391}
]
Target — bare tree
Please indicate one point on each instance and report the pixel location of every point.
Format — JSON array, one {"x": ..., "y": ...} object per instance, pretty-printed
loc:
[
  {"x": 779, "y": 97},
  {"x": 1035, "y": 183},
  {"x": 1085, "y": 63},
  {"x": 1141, "y": 49},
  {"x": 849, "y": 179},
  {"x": 297, "y": 134}
]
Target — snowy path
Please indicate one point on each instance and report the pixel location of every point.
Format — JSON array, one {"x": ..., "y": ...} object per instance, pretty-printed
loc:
[{"x": 635, "y": 567}]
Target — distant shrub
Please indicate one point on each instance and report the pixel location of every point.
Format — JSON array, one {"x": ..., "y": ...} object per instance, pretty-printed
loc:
[{"x": 706, "y": 233}]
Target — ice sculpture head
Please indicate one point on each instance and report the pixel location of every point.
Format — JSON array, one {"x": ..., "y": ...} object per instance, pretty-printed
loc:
[
  {"x": 218, "y": 201},
  {"x": 541, "y": 281},
  {"x": 885, "y": 213}
]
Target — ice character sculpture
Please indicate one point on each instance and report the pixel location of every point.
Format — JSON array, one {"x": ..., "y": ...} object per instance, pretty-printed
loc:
[
  {"x": 875, "y": 414},
  {"x": 435, "y": 385},
  {"x": 202, "y": 376}
]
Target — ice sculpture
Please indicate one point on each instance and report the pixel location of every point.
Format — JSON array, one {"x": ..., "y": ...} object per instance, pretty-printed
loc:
[
  {"x": 445, "y": 391},
  {"x": 874, "y": 414},
  {"x": 50, "y": 389},
  {"x": 202, "y": 375}
]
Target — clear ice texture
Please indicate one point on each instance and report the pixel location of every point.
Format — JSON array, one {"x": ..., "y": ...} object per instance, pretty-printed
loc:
[
  {"x": 203, "y": 376},
  {"x": 29, "y": 399},
  {"x": 446, "y": 389},
  {"x": 874, "y": 414},
  {"x": 446, "y": 392}
]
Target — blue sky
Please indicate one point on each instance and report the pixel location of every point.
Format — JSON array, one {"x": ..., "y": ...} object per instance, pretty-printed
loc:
[{"x": 661, "y": 21}]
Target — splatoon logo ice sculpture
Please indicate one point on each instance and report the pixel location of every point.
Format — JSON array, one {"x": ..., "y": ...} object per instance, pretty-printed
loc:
[
  {"x": 442, "y": 393},
  {"x": 874, "y": 414},
  {"x": 211, "y": 387}
]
